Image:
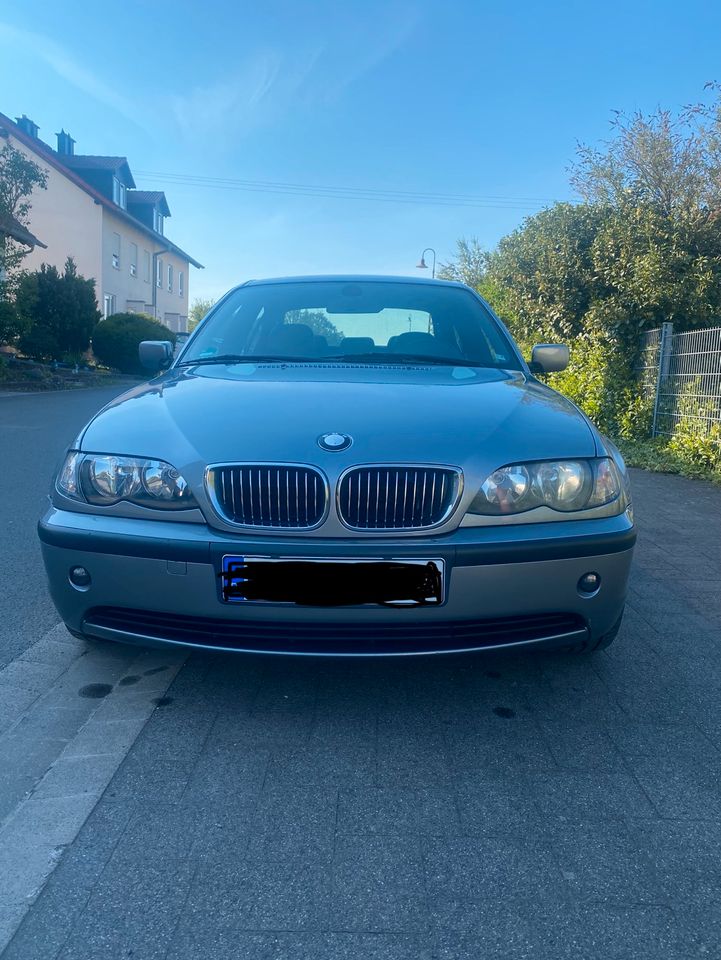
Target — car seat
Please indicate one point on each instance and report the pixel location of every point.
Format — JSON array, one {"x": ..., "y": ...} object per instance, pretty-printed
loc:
[
  {"x": 291, "y": 340},
  {"x": 424, "y": 344},
  {"x": 351, "y": 345}
]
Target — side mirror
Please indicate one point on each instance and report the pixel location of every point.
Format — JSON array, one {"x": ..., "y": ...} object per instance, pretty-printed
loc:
[
  {"x": 155, "y": 354},
  {"x": 549, "y": 358}
]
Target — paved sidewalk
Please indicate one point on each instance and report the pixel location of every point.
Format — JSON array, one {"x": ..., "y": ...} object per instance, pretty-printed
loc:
[
  {"x": 452, "y": 808},
  {"x": 69, "y": 713}
]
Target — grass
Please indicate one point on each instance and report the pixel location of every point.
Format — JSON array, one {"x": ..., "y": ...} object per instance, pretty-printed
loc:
[{"x": 657, "y": 455}]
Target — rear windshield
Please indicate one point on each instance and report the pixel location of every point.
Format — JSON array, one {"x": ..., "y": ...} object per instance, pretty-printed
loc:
[{"x": 360, "y": 321}]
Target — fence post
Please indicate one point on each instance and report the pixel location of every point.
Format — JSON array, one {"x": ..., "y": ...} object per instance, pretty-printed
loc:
[{"x": 664, "y": 363}]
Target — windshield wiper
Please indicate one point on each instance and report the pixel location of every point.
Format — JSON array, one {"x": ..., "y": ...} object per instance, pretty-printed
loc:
[
  {"x": 250, "y": 358},
  {"x": 410, "y": 358}
]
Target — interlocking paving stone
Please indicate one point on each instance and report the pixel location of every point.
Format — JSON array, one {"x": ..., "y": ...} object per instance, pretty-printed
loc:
[
  {"x": 698, "y": 925},
  {"x": 665, "y": 741},
  {"x": 687, "y": 859},
  {"x": 398, "y": 811},
  {"x": 582, "y": 747},
  {"x": 258, "y": 894},
  {"x": 681, "y": 791},
  {"x": 472, "y": 869},
  {"x": 497, "y": 744},
  {"x": 412, "y": 762},
  {"x": 589, "y": 796},
  {"x": 378, "y": 884},
  {"x": 128, "y": 902},
  {"x": 203, "y": 939},
  {"x": 605, "y": 861},
  {"x": 497, "y": 803},
  {"x": 567, "y": 932},
  {"x": 331, "y": 764}
]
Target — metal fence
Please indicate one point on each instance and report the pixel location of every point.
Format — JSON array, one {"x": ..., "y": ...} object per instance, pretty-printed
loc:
[{"x": 681, "y": 373}]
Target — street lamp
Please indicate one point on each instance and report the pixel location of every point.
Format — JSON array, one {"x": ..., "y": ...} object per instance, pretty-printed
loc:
[{"x": 422, "y": 265}]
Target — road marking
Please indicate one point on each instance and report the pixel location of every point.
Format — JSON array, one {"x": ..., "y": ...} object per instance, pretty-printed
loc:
[{"x": 60, "y": 747}]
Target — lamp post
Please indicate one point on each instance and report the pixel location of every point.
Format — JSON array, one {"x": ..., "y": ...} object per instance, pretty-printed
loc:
[{"x": 422, "y": 265}]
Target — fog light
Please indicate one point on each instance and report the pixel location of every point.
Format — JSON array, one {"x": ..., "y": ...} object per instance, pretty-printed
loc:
[
  {"x": 589, "y": 583},
  {"x": 79, "y": 577}
]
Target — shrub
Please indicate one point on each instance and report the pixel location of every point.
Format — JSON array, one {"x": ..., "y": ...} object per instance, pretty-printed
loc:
[
  {"x": 62, "y": 309},
  {"x": 696, "y": 434},
  {"x": 12, "y": 323},
  {"x": 116, "y": 340}
]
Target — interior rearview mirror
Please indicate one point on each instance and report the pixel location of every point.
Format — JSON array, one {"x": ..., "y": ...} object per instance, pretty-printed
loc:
[
  {"x": 549, "y": 358},
  {"x": 155, "y": 354}
]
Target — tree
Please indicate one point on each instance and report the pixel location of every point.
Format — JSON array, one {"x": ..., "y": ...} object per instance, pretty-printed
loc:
[
  {"x": 319, "y": 323},
  {"x": 63, "y": 310},
  {"x": 546, "y": 272},
  {"x": 11, "y": 324},
  {"x": 116, "y": 339},
  {"x": 469, "y": 264},
  {"x": 668, "y": 163},
  {"x": 19, "y": 176},
  {"x": 643, "y": 247},
  {"x": 198, "y": 309}
]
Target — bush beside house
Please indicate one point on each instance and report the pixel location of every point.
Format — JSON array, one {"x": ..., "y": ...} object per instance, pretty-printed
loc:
[
  {"x": 116, "y": 340},
  {"x": 60, "y": 311}
]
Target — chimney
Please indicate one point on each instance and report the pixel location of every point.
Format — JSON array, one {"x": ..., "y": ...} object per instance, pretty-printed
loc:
[
  {"x": 66, "y": 144},
  {"x": 27, "y": 126}
]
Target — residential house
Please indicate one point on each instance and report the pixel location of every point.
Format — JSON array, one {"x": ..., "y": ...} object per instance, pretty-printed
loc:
[{"x": 92, "y": 211}]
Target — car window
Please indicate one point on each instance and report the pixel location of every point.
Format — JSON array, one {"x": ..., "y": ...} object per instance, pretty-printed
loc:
[{"x": 365, "y": 320}]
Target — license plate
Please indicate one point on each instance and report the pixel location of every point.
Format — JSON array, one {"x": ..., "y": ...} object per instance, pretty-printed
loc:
[{"x": 332, "y": 582}]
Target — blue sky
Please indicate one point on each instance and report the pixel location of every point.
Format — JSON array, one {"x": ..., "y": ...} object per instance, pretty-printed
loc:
[{"x": 462, "y": 98}]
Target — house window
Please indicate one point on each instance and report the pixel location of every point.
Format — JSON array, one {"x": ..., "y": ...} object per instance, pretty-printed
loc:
[
  {"x": 119, "y": 193},
  {"x": 157, "y": 221},
  {"x": 181, "y": 283},
  {"x": 170, "y": 278},
  {"x": 133, "y": 259},
  {"x": 108, "y": 305},
  {"x": 116, "y": 251},
  {"x": 146, "y": 266},
  {"x": 159, "y": 273}
]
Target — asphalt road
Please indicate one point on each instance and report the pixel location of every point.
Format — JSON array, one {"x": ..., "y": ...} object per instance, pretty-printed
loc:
[
  {"x": 35, "y": 430},
  {"x": 447, "y": 809}
]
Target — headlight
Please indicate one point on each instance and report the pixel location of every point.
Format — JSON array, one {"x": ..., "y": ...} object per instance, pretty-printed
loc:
[
  {"x": 564, "y": 485},
  {"x": 104, "y": 479}
]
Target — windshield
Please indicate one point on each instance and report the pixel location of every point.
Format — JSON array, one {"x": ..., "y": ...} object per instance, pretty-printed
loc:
[{"x": 357, "y": 321}]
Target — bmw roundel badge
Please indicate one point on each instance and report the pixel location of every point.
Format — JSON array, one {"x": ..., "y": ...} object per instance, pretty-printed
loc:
[{"x": 335, "y": 441}]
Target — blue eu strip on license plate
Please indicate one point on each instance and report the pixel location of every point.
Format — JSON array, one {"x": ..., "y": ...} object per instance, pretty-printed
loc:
[{"x": 233, "y": 579}]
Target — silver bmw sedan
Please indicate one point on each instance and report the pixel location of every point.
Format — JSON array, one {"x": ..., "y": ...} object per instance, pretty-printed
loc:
[{"x": 347, "y": 466}]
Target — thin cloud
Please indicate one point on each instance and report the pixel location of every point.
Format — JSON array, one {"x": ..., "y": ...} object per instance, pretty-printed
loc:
[
  {"x": 271, "y": 82},
  {"x": 359, "y": 47},
  {"x": 62, "y": 63},
  {"x": 230, "y": 104},
  {"x": 260, "y": 92}
]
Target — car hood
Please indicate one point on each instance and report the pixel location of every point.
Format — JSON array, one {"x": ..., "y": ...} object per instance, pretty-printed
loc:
[{"x": 475, "y": 418}]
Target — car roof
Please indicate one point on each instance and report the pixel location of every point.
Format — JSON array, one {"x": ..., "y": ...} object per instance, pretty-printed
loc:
[{"x": 355, "y": 278}]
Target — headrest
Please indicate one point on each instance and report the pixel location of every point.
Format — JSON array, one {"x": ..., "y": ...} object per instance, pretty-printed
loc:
[{"x": 356, "y": 345}]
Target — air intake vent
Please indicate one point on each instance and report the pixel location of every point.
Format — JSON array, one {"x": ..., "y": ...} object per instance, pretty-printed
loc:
[
  {"x": 269, "y": 495},
  {"x": 397, "y": 497}
]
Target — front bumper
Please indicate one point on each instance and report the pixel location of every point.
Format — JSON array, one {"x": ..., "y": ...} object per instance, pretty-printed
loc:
[{"x": 155, "y": 583}]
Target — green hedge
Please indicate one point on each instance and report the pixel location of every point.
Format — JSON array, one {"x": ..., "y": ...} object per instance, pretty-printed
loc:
[{"x": 116, "y": 340}]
